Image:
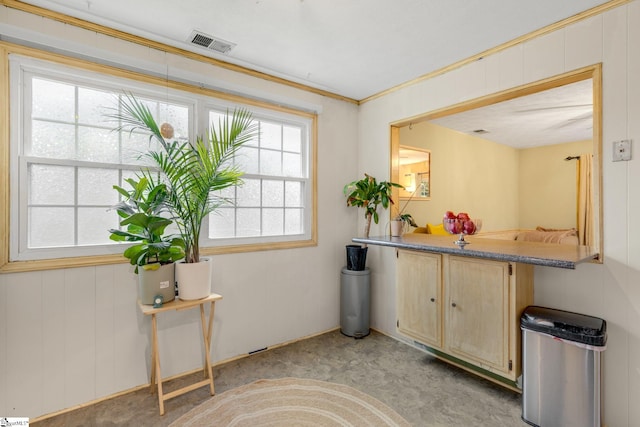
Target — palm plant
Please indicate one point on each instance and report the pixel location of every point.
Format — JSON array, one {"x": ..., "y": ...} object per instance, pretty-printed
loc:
[
  {"x": 367, "y": 193},
  {"x": 194, "y": 173}
]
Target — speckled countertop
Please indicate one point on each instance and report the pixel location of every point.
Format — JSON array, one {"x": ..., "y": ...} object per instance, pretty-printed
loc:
[{"x": 547, "y": 254}]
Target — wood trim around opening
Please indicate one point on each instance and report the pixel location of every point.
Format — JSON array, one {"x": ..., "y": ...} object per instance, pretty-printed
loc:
[
  {"x": 7, "y": 266},
  {"x": 593, "y": 72}
]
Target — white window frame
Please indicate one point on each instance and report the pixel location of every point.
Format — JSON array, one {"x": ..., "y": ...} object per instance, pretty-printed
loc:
[
  {"x": 21, "y": 66},
  {"x": 306, "y": 125}
]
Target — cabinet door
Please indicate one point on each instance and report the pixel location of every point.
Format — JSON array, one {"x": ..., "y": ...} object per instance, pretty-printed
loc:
[
  {"x": 419, "y": 292},
  {"x": 477, "y": 311}
]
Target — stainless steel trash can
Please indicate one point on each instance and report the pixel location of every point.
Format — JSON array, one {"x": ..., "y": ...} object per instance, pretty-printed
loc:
[
  {"x": 561, "y": 367},
  {"x": 355, "y": 302}
]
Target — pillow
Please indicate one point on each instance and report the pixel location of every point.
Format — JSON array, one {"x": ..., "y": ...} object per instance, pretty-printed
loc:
[
  {"x": 437, "y": 229},
  {"x": 423, "y": 230},
  {"x": 563, "y": 237},
  {"x": 538, "y": 228}
]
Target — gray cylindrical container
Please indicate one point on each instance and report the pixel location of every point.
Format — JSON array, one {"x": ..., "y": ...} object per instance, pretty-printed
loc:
[
  {"x": 561, "y": 367},
  {"x": 355, "y": 302},
  {"x": 159, "y": 282}
]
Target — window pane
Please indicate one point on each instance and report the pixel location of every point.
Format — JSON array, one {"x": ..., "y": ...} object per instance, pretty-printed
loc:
[
  {"x": 293, "y": 194},
  {"x": 93, "y": 224},
  {"x": 270, "y": 162},
  {"x": 270, "y": 136},
  {"x": 249, "y": 193},
  {"x": 178, "y": 117},
  {"x": 247, "y": 160},
  {"x": 292, "y": 164},
  {"x": 95, "y": 186},
  {"x": 272, "y": 193},
  {"x": 50, "y": 227},
  {"x": 151, "y": 104},
  {"x": 255, "y": 141},
  {"x": 293, "y": 221},
  {"x": 92, "y": 106},
  {"x": 221, "y": 223},
  {"x": 98, "y": 145},
  {"x": 52, "y": 140},
  {"x": 215, "y": 120},
  {"x": 134, "y": 145},
  {"x": 51, "y": 185},
  {"x": 292, "y": 139},
  {"x": 126, "y": 174},
  {"x": 228, "y": 193},
  {"x": 272, "y": 222},
  {"x": 248, "y": 222},
  {"x": 53, "y": 100}
]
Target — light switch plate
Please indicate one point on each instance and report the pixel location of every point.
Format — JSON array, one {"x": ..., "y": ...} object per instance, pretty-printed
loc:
[{"x": 622, "y": 150}]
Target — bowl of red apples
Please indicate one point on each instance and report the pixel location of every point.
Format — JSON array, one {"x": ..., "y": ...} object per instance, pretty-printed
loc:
[{"x": 460, "y": 224}]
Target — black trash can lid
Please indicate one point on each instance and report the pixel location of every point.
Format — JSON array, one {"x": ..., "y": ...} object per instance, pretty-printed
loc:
[{"x": 566, "y": 325}]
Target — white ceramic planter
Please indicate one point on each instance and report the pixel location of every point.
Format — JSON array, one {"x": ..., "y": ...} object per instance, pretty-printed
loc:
[
  {"x": 194, "y": 279},
  {"x": 396, "y": 228}
]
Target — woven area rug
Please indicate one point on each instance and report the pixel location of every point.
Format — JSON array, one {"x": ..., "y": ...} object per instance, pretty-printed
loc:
[{"x": 291, "y": 402}]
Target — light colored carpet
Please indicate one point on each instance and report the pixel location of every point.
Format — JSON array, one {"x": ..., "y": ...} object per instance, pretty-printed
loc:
[{"x": 292, "y": 402}]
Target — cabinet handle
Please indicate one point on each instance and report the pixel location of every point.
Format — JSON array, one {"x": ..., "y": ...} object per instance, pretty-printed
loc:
[
  {"x": 453, "y": 304},
  {"x": 433, "y": 300}
]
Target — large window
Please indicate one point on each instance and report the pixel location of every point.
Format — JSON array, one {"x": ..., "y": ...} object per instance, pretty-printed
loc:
[
  {"x": 272, "y": 201},
  {"x": 66, "y": 158}
]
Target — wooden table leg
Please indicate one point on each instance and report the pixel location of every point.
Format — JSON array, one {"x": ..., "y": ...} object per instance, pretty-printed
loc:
[
  {"x": 152, "y": 380},
  {"x": 207, "y": 330},
  {"x": 206, "y": 338},
  {"x": 156, "y": 365}
]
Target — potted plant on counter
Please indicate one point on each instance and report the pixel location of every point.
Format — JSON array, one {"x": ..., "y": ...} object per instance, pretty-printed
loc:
[
  {"x": 369, "y": 194},
  {"x": 400, "y": 223},
  {"x": 194, "y": 173},
  {"x": 143, "y": 212}
]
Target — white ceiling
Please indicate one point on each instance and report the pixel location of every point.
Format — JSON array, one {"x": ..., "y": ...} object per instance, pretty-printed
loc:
[
  {"x": 555, "y": 116},
  {"x": 353, "y": 48}
]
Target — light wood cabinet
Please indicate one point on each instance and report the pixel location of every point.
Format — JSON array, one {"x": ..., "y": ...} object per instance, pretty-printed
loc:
[
  {"x": 474, "y": 321},
  {"x": 419, "y": 304}
]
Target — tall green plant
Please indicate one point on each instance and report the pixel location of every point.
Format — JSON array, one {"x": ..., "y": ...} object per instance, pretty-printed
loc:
[
  {"x": 192, "y": 172},
  {"x": 368, "y": 193}
]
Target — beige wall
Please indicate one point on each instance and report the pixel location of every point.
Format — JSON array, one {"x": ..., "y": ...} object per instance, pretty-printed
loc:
[
  {"x": 548, "y": 186},
  {"x": 74, "y": 335},
  {"x": 610, "y": 290},
  {"x": 70, "y": 336},
  {"x": 468, "y": 174},
  {"x": 507, "y": 188}
]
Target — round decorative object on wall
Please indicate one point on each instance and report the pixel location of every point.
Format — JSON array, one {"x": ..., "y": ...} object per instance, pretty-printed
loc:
[{"x": 166, "y": 130}]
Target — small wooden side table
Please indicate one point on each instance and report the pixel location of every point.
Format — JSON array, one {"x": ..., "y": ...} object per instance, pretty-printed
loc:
[{"x": 206, "y": 336}]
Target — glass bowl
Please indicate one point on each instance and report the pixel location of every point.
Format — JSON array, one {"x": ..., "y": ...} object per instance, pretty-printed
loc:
[{"x": 462, "y": 226}]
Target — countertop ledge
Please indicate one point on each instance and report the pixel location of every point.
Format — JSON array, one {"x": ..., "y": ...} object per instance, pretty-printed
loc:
[{"x": 546, "y": 254}]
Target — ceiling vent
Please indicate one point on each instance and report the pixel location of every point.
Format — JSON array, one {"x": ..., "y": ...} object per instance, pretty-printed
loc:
[
  {"x": 201, "y": 39},
  {"x": 480, "y": 131}
]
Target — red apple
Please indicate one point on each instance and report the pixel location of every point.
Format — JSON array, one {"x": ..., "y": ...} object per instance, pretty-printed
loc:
[
  {"x": 463, "y": 216},
  {"x": 453, "y": 226},
  {"x": 450, "y": 215},
  {"x": 469, "y": 227}
]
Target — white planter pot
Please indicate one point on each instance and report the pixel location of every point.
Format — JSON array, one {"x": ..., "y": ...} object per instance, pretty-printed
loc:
[
  {"x": 194, "y": 279},
  {"x": 396, "y": 228},
  {"x": 156, "y": 282}
]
